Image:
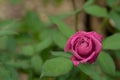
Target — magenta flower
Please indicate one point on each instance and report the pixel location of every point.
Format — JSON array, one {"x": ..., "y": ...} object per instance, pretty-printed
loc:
[{"x": 85, "y": 47}]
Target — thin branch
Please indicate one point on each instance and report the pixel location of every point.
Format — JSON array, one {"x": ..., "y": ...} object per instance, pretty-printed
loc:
[{"x": 76, "y": 15}]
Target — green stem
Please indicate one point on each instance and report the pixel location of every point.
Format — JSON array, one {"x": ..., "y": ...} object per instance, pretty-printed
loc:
[
  {"x": 76, "y": 15},
  {"x": 104, "y": 25}
]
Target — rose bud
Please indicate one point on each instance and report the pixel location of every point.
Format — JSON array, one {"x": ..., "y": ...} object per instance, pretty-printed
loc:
[{"x": 85, "y": 47}]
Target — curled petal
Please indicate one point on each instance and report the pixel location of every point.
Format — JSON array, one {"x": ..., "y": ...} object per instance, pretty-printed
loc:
[
  {"x": 88, "y": 58},
  {"x": 93, "y": 59},
  {"x": 97, "y": 46},
  {"x": 81, "y": 32},
  {"x": 77, "y": 35},
  {"x": 76, "y": 55},
  {"x": 97, "y": 36},
  {"x": 68, "y": 45},
  {"x": 85, "y": 50},
  {"x": 75, "y": 61}
]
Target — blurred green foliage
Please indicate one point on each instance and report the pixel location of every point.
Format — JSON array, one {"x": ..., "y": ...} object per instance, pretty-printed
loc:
[{"x": 36, "y": 48}]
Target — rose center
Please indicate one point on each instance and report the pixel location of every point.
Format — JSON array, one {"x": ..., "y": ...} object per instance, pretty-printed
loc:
[{"x": 84, "y": 44}]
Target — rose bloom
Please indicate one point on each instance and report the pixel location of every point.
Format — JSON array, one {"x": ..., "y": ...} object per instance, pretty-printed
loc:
[{"x": 85, "y": 47}]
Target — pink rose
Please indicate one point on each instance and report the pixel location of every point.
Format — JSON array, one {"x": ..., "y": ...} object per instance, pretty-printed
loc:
[{"x": 85, "y": 47}]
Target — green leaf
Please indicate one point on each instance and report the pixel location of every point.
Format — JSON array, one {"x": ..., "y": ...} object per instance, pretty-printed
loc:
[
  {"x": 44, "y": 34},
  {"x": 117, "y": 54},
  {"x": 36, "y": 63},
  {"x": 3, "y": 42},
  {"x": 117, "y": 9},
  {"x": 66, "y": 15},
  {"x": 112, "y": 3},
  {"x": 64, "y": 28},
  {"x": 11, "y": 44},
  {"x": 56, "y": 67},
  {"x": 24, "y": 39},
  {"x": 4, "y": 74},
  {"x": 13, "y": 73},
  {"x": 58, "y": 2},
  {"x": 4, "y": 33},
  {"x": 4, "y": 56},
  {"x": 59, "y": 39},
  {"x": 91, "y": 71},
  {"x": 61, "y": 54},
  {"x": 33, "y": 22},
  {"x": 27, "y": 50},
  {"x": 96, "y": 11},
  {"x": 23, "y": 64},
  {"x": 106, "y": 63},
  {"x": 8, "y": 73},
  {"x": 116, "y": 18},
  {"x": 112, "y": 42},
  {"x": 88, "y": 3},
  {"x": 117, "y": 74},
  {"x": 9, "y": 25},
  {"x": 43, "y": 44},
  {"x": 47, "y": 33},
  {"x": 15, "y": 2}
]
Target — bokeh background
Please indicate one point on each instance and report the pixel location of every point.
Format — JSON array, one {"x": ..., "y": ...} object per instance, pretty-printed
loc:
[{"x": 33, "y": 34}]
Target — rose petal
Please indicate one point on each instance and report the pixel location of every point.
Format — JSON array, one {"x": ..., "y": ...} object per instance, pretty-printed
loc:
[
  {"x": 85, "y": 51},
  {"x": 96, "y": 35},
  {"x": 81, "y": 32},
  {"x": 74, "y": 39},
  {"x": 68, "y": 45},
  {"x": 77, "y": 35},
  {"x": 96, "y": 44},
  {"x": 76, "y": 55},
  {"x": 89, "y": 58},
  {"x": 93, "y": 59},
  {"x": 75, "y": 61}
]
